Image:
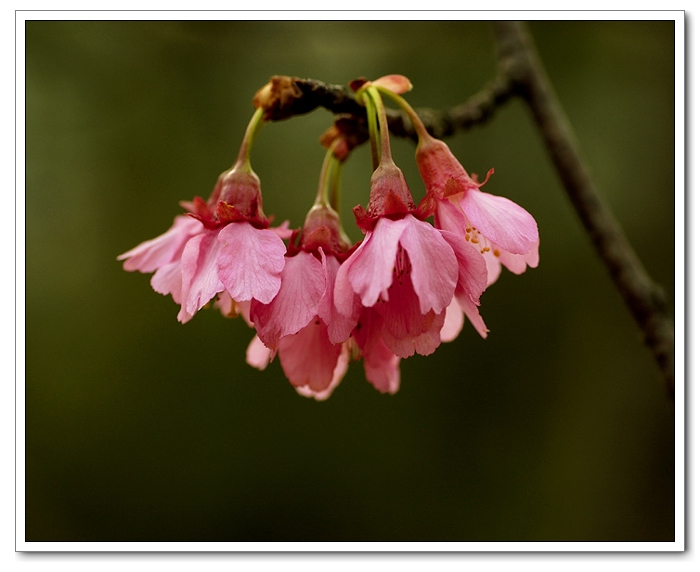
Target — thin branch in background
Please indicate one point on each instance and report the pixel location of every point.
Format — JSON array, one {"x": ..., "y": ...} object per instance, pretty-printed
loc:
[
  {"x": 644, "y": 298},
  {"x": 520, "y": 74}
]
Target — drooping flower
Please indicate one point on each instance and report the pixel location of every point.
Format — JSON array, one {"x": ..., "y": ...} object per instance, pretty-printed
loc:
[
  {"x": 301, "y": 323},
  {"x": 504, "y": 232},
  {"x": 406, "y": 270},
  {"x": 501, "y": 230},
  {"x": 225, "y": 245}
]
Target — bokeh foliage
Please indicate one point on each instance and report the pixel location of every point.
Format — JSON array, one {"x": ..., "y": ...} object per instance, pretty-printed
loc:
[{"x": 141, "y": 429}]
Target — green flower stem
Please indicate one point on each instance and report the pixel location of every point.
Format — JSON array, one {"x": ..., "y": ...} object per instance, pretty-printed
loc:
[
  {"x": 372, "y": 127},
  {"x": 383, "y": 124},
  {"x": 421, "y": 131},
  {"x": 336, "y": 170},
  {"x": 325, "y": 180},
  {"x": 251, "y": 132},
  {"x": 328, "y": 195}
]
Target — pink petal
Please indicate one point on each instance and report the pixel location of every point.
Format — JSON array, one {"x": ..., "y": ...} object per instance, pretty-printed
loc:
[
  {"x": 433, "y": 265},
  {"x": 183, "y": 316},
  {"x": 454, "y": 321},
  {"x": 505, "y": 224},
  {"x": 450, "y": 216},
  {"x": 152, "y": 254},
  {"x": 258, "y": 355},
  {"x": 397, "y": 83},
  {"x": 472, "y": 312},
  {"x": 343, "y": 295},
  {"x": 369, "y": 270},
  {"x": 308, "y": 358},
  {"x": 518, "y": 263},
  {"x": 296, "y": 303},
  {"x": 338, "y": 374},
  {"x": 406, "y": 330},
  {"x": 471, "y": 265},
  {"x": 424, "y": 343},
  {"x": 168, "y": 280},
  {"x": 340, "y": 324},
  {"x": 381, "y": 364},
  {"x": 243, "y": 309},
  {"x": 200, "y": 280},
  {"x": 229, "y": 308},
  {"x": 382, "y": 368},
  {"x": 283, "y": 230},
  {"x": 473, "y": 280},
  {"x": 226, "y": 305},
  {"x": 493, "y": 266},
  {"x": 250, "y": 262}
]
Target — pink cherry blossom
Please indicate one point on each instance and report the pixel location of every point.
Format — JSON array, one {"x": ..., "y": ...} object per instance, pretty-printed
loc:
[
  {"x": 315, "y": 367},
  {"x": 318, "y": 302},
  {"x": 406, "y": 269},
  {"x": 505, "y": 233},
  {"x": 450, "y": 215},
  {"x": 312, "y": 333},
  {"x": 221, "y": 247},
  {"x": 303, "y": 328},
  {"x": 408, "y": 273},
  {"x": 301, "y": 323},
  {"x": 244, "y": 261}
]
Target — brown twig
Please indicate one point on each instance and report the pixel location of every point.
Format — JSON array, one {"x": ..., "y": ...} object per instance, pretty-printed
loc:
[
  {"x": 520, "y": 62},
  {"x": 285, "y": 97}
]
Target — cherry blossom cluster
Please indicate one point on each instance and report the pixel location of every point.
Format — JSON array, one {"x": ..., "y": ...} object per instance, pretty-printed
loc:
[{"x": 315, "y": 299}]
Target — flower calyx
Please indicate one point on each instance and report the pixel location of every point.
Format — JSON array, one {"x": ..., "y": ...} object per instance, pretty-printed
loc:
[
  {"x": 236, "y": 197},
  {"x": 322, "y": 229}
]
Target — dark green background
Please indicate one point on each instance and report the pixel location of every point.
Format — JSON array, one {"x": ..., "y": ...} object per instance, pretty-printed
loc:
[{"x": 141, "y": 429}]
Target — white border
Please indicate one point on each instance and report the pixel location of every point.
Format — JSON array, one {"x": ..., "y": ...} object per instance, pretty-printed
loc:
[
  {"x": 679, "y": 293},
  {"x": 19, "y": 283},
  {"x": 678, "y": 545}
]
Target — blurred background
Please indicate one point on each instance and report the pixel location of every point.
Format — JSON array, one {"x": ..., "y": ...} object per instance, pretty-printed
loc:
[{"x": 554, "y": 428}]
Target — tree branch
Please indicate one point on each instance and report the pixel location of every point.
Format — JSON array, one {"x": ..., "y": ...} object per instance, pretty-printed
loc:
[
  {"x": 644, "y": 298},
  {"x": 285, "y": 97}
]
